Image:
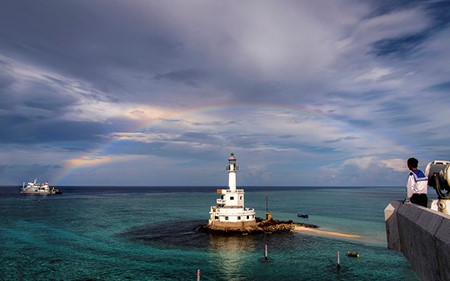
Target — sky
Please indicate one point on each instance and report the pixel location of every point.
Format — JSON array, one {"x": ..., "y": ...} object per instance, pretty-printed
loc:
[{"x": 159, "y": 93}]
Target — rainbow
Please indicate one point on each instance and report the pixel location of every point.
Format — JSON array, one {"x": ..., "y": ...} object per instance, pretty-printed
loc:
[{"x": 99, "y": 156}]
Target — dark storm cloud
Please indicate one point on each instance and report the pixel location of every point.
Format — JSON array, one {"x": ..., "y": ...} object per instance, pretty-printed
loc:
[
  {"x": 15, "y": 173},
  {"x": 33, "y": 95},
  {"x": 76, "y": 75},
  {"x": 86, "y": 39},
  {"x": 167, "y": 148},
  {"x": 191, "y": 77},
  {"x": 44, "y": 97},
  {"x": 21, "y": 130},
  {"x": 124, "y": 147},
  {"x": 112, "y": 44}
]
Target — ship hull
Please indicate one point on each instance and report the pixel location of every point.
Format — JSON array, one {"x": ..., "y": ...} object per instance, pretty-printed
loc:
[{"x": 40, "y": 193}]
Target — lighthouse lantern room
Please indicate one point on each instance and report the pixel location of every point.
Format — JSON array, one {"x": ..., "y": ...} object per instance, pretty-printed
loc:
[{"x": 230, "y": 213}]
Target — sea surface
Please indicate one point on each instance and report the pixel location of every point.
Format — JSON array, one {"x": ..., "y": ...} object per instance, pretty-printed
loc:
[{"x": 149, "y": 233}]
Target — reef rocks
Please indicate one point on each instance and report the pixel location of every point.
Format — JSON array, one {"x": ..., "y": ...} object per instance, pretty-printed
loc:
[
  {"x": 261, "y": 226},
  {"x": 275, "y": 226}
]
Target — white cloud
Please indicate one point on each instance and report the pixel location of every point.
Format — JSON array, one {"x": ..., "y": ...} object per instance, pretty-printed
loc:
[
  {"x": 393, "y": 25},
  {"x": 398, "y": 165}
]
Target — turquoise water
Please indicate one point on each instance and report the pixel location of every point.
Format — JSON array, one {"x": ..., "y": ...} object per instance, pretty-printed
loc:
[{"x": 112, "y": 233}]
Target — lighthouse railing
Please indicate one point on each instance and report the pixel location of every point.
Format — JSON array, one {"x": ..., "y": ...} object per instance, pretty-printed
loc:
[
  {"x": 229, "y": 191},
  {"x": 236, "y": 168},
  {"x": 221, "y": 201}
]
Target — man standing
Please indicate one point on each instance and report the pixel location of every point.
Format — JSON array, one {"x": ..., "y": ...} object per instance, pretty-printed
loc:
[{"x": 417, "y": 185}]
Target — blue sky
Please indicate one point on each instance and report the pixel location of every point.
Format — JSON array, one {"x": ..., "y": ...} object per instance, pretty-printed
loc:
[{"x": 161, "y": 92}]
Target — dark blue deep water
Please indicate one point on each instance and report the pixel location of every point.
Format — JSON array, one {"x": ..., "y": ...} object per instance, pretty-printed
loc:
[{"x": 149, "y": 233}]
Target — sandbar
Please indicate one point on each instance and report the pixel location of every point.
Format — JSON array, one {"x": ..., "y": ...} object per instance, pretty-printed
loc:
[{"x": 319, "y": 232}]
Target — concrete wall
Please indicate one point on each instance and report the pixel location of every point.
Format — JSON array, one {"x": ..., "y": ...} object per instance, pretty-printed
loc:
[
  {"x": 423, "y": 236},
  {"x": 247, "y": 226}
]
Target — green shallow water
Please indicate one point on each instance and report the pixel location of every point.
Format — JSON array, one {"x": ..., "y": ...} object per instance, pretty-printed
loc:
[{"x": 93, "y": 233}]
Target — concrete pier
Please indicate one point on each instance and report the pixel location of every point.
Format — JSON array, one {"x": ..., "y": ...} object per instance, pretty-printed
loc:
[{"x": 423, "y": 236}]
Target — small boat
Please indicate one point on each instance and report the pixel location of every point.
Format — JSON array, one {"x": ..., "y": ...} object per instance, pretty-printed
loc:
[
  {"x": 303, "y": 216},
  {"x": 35, "y": 187},
  {"x": 353, "y": 254}
]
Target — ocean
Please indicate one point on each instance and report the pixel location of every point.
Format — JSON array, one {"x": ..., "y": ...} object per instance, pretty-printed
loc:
[{"x": 149, "y": 233}]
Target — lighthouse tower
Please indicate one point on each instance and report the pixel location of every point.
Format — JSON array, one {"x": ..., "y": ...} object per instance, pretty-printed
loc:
[
  {"x": 232, "y": 169},
  {"x": 230, "y": 214}
]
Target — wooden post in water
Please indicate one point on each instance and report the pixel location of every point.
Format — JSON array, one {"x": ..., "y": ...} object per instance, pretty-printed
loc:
[
  {"x": 198, "y": 274},
  {"x": 338, "y": 261},
  {"x": 266, "y": 254}
]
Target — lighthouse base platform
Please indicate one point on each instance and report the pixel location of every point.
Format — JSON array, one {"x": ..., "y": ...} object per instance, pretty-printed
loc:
[
  {"x": 258, "y": 226},
  {"x": 244, "y": 226}
]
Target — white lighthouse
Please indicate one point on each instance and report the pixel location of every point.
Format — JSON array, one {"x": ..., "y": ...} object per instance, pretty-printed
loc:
[{"x": 230, "y": 213}]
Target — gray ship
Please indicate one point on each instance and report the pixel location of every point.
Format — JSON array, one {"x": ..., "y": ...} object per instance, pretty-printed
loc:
[{"x": 38, "y": 189}]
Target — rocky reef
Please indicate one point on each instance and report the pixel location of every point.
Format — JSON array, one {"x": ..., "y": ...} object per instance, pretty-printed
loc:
[{"x": 261, "y": 226}]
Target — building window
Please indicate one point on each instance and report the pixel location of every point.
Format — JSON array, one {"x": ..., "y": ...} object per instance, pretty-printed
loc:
[
  {"x": 239, "y": 218},
  {"x": 216, "y": 217},
  {"x": 248, "y": 217},
  {"x": 232, "y": 198},
  {"x": 226, "y": 218},
  {"x": 241, "y": 198}
]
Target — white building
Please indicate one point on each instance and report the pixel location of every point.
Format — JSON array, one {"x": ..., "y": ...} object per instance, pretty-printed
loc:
[{"x": 230, "y": 213}]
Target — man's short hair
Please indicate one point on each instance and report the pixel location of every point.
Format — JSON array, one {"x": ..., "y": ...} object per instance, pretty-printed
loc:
[{"x": 413, "y": 162}]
